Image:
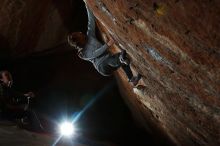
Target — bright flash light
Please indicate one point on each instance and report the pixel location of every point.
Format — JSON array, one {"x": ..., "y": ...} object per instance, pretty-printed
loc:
[{"x": 67, "y": 129}]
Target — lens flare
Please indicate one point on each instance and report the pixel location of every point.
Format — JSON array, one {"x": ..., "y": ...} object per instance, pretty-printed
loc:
[{"x": 67, "y": 129}]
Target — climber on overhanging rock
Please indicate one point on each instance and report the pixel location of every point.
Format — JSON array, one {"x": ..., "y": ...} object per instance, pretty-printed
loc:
[{"x": 90, "y": 49}]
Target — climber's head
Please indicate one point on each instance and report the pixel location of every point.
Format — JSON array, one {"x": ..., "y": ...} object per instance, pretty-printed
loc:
[{"x": 77, "y": 40}]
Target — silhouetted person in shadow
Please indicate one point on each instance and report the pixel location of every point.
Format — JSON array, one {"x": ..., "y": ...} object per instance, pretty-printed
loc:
[
  {"x": 91, "y": 49},
  {"x": 14, "y": 106}
]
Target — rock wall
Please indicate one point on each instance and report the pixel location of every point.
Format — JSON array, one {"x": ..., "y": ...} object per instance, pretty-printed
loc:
[
  {"x": 175, "y": 45},
  {"x": 29, "y": 26}
]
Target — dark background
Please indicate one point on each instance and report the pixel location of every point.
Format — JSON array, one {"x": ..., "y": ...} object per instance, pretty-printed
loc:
[{"x": 64, "y": 84}]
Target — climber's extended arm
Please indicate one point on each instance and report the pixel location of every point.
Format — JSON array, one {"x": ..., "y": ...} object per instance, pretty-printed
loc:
[{"x": 91, "y": 22}]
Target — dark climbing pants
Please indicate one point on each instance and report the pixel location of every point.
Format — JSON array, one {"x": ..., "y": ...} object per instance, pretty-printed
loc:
[{"x": 112, "y": 63}]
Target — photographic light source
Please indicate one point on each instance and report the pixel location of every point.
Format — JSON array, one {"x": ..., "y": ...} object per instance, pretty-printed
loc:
[{"x": 67, "y": 129}]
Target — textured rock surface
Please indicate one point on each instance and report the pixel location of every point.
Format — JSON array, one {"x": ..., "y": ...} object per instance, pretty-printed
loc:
[
  {"x": 175, "y": 45},
  {"x": 30, "y": 26}
]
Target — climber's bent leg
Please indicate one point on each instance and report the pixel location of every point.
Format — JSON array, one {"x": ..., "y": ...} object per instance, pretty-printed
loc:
[
  {"x": 113, "y": 62},
  {"x": 109, "y": 65},
  {"x": 127, "y": 71}
]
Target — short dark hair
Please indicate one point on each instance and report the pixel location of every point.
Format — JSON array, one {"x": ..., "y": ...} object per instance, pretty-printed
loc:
[{"x": 78, "y": 38}]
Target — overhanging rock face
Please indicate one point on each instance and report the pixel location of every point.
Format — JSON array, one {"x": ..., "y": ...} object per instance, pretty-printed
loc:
[
  {"x": 30, "y": 26},
  {"x": 175, "y": 45}
]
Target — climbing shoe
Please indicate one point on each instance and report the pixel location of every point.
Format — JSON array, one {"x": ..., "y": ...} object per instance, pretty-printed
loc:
[
  {"x": 123, "y": 58},
  {"x": 134, "y": 80}
]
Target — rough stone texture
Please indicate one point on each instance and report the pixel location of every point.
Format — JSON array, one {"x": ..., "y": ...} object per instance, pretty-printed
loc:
[
  {"x": 175, "y": 45},
  {"x": 30, "y": 26}
]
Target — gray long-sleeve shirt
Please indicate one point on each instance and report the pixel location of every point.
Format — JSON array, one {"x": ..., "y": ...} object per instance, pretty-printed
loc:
[{"x": 94, "y": 51}]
